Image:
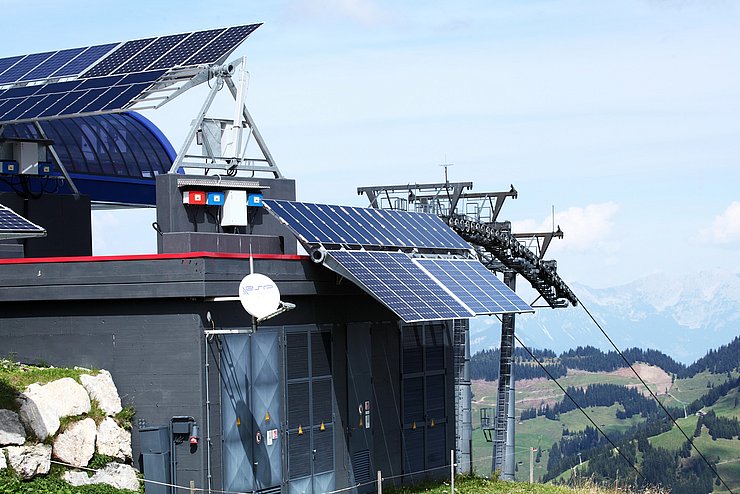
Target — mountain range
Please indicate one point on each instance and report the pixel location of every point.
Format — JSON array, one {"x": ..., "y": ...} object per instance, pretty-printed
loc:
[{"x": 682, "y": 315}]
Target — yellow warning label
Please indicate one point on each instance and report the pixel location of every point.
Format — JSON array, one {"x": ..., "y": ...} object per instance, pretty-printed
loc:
[
  {"x": 413, "y": 426},
  {"x": 238, "y": 421},
  {"x": 432, "y": 424},
  {"x": 300, "y": 430},
  {"x": 267, "y": 416},
  {"x": 360, "y": 422},
  {"x": 323, "y": 427}
]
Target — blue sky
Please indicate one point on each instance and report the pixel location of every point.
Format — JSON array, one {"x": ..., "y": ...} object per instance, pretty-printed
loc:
[{"x": 624, "y": 116}]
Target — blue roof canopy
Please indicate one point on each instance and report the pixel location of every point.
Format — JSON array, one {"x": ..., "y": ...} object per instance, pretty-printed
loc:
[{"x": 111, "y": 158}]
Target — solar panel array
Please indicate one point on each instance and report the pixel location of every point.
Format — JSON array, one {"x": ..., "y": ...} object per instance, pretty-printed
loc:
[
  {"x": 344, "y": 225},
  {"x": 474, "y": 285},
  {"x": 14, "y": 225},
  {"x": 400, "y": 285},
  {"x": 106, "y": 77},
  {"x": 415, "y": 289}
]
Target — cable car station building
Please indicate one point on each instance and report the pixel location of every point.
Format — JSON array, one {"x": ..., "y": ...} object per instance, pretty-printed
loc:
[{"x": 361, "y": 367}]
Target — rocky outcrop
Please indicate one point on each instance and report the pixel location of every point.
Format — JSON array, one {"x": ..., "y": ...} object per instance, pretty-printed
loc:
[
  {"x": 76, "y": 445},
  {"x": 102, "y": 389},
  {"x": 11, "y": 429},
  {"x": 117, "y": 475},
  {"x": 76, "y": 478},
  {"x": 43, "y": 405},
  {"x": 113, "y": 440},
  {"x": 29, "y": 461}
]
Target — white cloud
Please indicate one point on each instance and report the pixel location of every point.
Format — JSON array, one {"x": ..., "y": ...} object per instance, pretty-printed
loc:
[
  {"x": 585, "y": 228},
  {"x": 365, "y": 12},
  {"x": 725, "y": 229}
]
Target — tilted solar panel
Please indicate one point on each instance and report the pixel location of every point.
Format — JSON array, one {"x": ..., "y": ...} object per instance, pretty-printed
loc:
[
  {"x": 13, "y": 225},
  {"x": 393, "y": 279},
  {"x": 52, "y": 64},
  {"x": 344, "y": 225},
  {"x": 474, "y": 285}
]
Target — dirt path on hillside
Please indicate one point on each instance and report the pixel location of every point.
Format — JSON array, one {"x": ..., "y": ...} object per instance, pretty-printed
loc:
[{"x": 655, "y": 377}]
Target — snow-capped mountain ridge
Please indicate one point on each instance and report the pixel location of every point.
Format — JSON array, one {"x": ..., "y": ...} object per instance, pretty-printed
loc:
[{"x": 682, "y": 315}]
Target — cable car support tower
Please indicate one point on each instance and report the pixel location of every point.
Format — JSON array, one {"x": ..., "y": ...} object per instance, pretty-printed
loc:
[{"x": 474, "y": 216}]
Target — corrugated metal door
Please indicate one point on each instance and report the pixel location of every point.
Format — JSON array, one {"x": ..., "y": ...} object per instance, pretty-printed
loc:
[
  {"x": 423, "y": 400},
  {"x": 360, "y": 413},
  {"x": 251, "y": 411},
  {"x": 310, "y": 398}
]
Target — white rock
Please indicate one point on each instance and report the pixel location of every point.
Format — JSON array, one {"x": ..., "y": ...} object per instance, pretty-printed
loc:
[
  {"x": 43, "y": 405},
  {"x": 37, "y": 414},
  {"x": 102, "y": 389},
  {"x": 113, "y": 441},
  {"x": 11, "y": 429},
  {"x": 29, "y": 461},
  {"x": 76, "y": 445},
  {"x": 3, "y": 462},
  {"x": 75, "y": 478},
  {"x": 118, "y": 475}
]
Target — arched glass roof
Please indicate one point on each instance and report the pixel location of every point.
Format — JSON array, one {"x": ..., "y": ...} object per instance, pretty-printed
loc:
[
  {"x": 112, "y": 158},
  {"x": 113, "y": 145}
]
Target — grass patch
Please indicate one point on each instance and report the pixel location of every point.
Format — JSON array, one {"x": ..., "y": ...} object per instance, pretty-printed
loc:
[
  {"x": 10, "y": 483},
  {"x": 125, "y": 418},
  {"x": 15, "y": 377}
]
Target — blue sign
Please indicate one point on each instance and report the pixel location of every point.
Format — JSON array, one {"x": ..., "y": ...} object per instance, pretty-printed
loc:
[
  {"x": 215, "y": 199},
  {"x": 254, "y": 200}
]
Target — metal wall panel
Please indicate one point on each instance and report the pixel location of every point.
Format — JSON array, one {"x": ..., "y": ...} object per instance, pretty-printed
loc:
[
  {"x": 236, "y": 418},
  {"x": 266, "y": 394}
]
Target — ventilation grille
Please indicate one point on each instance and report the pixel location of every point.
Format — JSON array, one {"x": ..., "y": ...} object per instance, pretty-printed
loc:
[
  {"x": 270, "y": 490},
  {"x": 361, "y": 466}
]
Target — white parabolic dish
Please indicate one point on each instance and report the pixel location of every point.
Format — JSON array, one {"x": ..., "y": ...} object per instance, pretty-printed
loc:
[{"x": 259, "y": 295}]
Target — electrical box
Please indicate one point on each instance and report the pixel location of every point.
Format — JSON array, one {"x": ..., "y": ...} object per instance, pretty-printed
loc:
[
  {"x": 27, "y": 155},
  {"x": 215, "y": 199},
  {"x": 234, "y": 212},
  {"x": 254, "y": 200},
  {"x": 194, "y": 197},
  {"x": 9, "y": 168}
]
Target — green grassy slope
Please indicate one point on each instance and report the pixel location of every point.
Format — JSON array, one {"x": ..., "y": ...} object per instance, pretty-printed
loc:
[{"x": 542, "y": 433}]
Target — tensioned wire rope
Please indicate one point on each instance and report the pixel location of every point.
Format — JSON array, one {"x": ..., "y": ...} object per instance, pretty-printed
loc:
[{"x": 709, "y": 464}]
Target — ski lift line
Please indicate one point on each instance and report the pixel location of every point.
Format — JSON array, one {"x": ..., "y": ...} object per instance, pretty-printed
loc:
[
  {"x": 634, "y": 467},
  {"x": 593, "y": 319}
]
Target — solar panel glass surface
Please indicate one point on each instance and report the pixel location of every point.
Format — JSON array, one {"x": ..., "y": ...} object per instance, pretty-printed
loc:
[
  {"x": 12, "y": 222},
  {"x": 85, "y": 59},
  {"x": 474, "y": 285},
  {"x": 151, "y": 53},
  {"x": 222, "y": 45},
  {"x": 51, "y": 65},
  {"x": 344, "y": 225},
  {"x": 124, "y": 53},
  {"x": 400, "y": 285},
  {"x": 29, "y": 62},
  {"x": 185, "y": 49}
]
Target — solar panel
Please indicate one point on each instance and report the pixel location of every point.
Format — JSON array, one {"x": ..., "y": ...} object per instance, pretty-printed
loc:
[
  {"x": 186, "y": 49},
  {"x": 88, "y": 57},
  {"x": 74, "y": 97},
  {"x": 6, "y": 63},
  {"x": 117, "y": 58},
  {"x": 222, "y": 45},
  {"x": 474, "y": 285},
  {"x": 344, "y": 225},
  {"x": 150, "y": 54},
  {"x": 52, "y": 64},
  {"x": 113, "y": 75},
  {"x": 29, "y": 62},
  {"x": 393, "y": 279},
  {"x": 13, "y": 225}
]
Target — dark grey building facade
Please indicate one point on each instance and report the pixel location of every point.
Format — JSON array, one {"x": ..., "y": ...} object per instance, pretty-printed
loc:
[{"x": 316, "y": 399}]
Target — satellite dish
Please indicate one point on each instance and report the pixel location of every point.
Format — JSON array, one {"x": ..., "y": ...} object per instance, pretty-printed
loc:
[{"x": 259, "y": 295}]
